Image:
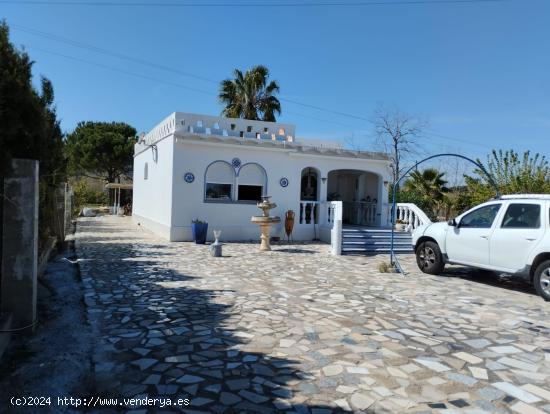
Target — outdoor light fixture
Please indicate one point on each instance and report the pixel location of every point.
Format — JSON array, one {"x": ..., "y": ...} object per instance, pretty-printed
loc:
[
  {"x": 324, "y": 179},
  {"x": 155, "y": 152}
]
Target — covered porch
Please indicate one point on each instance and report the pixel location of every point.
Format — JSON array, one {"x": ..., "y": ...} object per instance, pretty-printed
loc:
[
  {"x": 354, "y": 196},
  {"x": 359, "y": 191}
]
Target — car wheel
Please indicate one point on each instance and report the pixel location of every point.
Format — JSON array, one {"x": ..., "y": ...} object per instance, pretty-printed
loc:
[
  {"x": 429, "y": 258},
  {"x": 542, "y": 280}
]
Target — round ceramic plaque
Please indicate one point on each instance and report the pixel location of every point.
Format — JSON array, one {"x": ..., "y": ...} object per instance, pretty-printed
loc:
[
  {"x": 189, "y": 177},
  {"x": 283, "y": 182}
]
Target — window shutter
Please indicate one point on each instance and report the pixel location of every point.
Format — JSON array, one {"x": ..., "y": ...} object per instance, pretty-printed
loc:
[
  {"x": 252, "y": 174},
  {"x": 220, "y": 172}
]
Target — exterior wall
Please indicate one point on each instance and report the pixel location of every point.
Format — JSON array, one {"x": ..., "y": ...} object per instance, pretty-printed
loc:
[
  {"x": 234, "y": 218},
  {"x": 152, "y": 197},
  {"x": 188, "y": 143}
]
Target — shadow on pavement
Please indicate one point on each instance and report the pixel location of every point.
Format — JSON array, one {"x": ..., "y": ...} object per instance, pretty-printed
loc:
[
  {"x": 501, "y": 281},
  {"x": 160, "y": 335}
]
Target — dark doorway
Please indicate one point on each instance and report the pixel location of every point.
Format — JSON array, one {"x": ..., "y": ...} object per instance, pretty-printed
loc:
[{"x": 309, "y": 185}]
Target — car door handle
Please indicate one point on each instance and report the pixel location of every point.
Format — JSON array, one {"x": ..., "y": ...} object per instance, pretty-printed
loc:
[
  {"x": 528, "y": 239},
  {"x": 484, "y": 237}
]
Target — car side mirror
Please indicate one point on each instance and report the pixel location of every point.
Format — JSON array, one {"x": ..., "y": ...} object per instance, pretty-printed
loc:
[{"x": 452, "y": 223}]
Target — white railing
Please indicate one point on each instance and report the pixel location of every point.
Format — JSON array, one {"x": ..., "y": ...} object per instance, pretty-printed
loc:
[
  {"x": 331, "y": 211},
  {"x": 411, "y": 214},
  {"x": 330, "y": 217},
  {"x": 309, "y": 212},
  {"x": 165, "y": 128},
  {"x": 361, "y": 213},
  {"x": 323, "y": 213}
]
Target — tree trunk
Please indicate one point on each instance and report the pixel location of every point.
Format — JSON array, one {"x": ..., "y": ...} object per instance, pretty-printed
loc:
[{"x": 396, "y": 163}]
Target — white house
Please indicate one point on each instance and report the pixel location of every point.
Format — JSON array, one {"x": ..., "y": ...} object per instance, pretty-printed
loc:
[{"x": 215, "y": 169}]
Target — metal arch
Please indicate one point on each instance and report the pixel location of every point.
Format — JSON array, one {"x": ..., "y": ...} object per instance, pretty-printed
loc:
[{"x": 393, "y": 259}]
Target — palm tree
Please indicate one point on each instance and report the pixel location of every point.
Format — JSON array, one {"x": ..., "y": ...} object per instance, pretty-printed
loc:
[
  {"x": 250, "y": 96},
  {"x": 429, "y": 185}
]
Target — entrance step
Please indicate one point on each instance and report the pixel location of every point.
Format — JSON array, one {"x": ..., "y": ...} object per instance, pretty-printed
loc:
[
  {"x": 376, "y": 250},
  {"x": 379, "y": 243},
  {"x": 376, "y": 236},
  {"x": 365, "y": 240}
]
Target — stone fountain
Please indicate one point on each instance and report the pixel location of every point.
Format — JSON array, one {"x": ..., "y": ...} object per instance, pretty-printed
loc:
[{"x": 265, "y": 221}]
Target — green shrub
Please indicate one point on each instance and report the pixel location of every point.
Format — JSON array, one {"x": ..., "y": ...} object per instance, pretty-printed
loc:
[
  {"x": 511, "y": 172},
  {"x": 84, "y": 195}
]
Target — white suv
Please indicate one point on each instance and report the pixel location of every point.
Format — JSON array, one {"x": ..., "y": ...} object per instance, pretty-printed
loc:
[{"x": 510, "y": 234}]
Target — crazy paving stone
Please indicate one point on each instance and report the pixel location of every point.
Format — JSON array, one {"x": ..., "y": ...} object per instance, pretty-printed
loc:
[{"x": 299, "y": 330}]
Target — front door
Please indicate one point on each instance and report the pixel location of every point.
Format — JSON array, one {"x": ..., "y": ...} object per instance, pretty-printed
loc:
[
  {"x": 516, "y": 236},
  {"x": 468, "y": 242}
]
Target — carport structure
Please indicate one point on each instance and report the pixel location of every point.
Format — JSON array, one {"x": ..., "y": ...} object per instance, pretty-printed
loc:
[{"x": 118, "y": 188}]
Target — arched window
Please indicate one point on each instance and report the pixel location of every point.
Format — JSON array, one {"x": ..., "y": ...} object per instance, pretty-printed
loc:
[
  {"x": 219, "y": 180},
  {"x": 252, "y": 182},
  {"x": 309, "y": 185},
  {"x": 146, "y": 171}
]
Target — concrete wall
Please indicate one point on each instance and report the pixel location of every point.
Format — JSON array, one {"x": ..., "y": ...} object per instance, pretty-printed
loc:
[
  {"x": 171, "y": 217},
  {"x": 20, "y": 243}
]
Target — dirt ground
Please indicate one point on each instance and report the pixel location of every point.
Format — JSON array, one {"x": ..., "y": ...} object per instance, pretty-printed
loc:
[{"x": 56, "y": 360}]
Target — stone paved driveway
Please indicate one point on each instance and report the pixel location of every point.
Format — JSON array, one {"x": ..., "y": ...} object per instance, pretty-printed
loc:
[{"x": 297, "y": 330}]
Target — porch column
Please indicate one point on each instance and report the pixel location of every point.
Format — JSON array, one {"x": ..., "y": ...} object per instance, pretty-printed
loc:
[{"x": 323, "y": 186}]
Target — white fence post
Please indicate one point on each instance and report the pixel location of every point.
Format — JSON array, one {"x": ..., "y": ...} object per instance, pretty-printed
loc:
[{"x": 336, "y": 238}]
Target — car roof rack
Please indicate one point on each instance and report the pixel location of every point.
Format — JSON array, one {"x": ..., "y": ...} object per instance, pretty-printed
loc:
[{"x": 524, "y": 196}]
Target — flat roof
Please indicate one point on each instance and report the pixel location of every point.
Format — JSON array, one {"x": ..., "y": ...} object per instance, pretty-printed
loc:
[
  {"x": 284, "y": 145},
  {"x": 119, "y": 186}
]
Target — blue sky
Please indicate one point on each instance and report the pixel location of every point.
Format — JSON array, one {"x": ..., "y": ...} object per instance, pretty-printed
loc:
[{"x": 479, "y": 73}]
